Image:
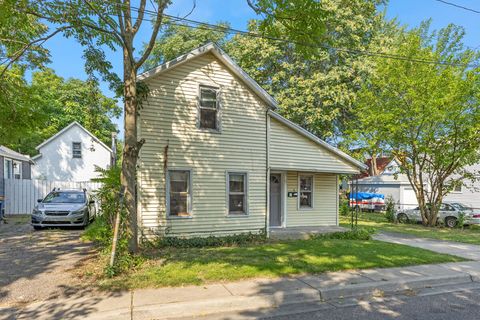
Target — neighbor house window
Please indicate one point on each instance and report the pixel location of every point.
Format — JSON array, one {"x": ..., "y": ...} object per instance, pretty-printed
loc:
[
  {"x": 77, "y": 149},
  {"x": 17, "y": 169},
  {"x": 458, "y": 188},
  {"x": 237, "y": 193},
  {"x": 305, "y": 190},
  {"x": 179, "y": 194},
  {"x": 208, "y": 105},
  {"x": 7, "y": 169}
]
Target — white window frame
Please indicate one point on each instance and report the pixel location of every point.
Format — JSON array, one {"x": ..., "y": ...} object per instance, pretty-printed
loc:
[
  {"x": 300, "y": 208},
  {"x": 7, "y": 167},
  {"x": 19, "y": 166},
  {"x": 245, "y": 192},
  {"x": 73, "y": 150},
  {"x": 218, "y": 108},
  {"x": 189, "y": 198},
  {"x": 458, "y": 191}
]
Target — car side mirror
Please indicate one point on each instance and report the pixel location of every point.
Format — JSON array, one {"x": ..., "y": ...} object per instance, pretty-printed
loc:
[
  {"x": 39, "y": 200},
  {"x": 91, "y": 201}
]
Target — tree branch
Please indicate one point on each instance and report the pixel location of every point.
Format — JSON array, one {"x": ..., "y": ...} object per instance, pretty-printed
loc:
[
  {"x": 153, "y": 37},
  {"x": 141, "y": 13},
  {"x": 20, "y": 52},
  {"x": 114, "y": 31}
]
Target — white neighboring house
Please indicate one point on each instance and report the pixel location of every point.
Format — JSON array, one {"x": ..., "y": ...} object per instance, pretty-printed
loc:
[
  {"x": 71, "y": 155},
  {"x": 469, "y": 193},
  {"x": 389, "y": 182}
]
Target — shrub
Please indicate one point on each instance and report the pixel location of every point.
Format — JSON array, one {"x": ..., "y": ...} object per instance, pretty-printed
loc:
[
  {"x": 344, "y": 207},
  {"x": 213, "y": 241},
  {"x": 353, "y": 234},
  {"x": 101, "y": 230},
  {"x": 390, "y": 209}
]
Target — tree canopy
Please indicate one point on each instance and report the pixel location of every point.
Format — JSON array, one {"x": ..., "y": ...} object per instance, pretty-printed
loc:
[
  {"x": 425, "y": 113},
  {"x": 55, "y": 102}
]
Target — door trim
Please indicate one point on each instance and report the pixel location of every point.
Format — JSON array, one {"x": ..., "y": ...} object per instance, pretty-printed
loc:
[{"x": 283, "y": 196}]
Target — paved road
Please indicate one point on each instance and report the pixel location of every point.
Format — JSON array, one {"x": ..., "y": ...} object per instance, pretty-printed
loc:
[
  {"x": 464, "y": 250},
  {"x": 447, "y": 306},
  {"x": 37, "y": 265},
  {"x": 430, "y": 304}
]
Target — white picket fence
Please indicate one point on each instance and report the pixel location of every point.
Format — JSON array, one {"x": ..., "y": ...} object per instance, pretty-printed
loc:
[{"x": 21, "y": 195}]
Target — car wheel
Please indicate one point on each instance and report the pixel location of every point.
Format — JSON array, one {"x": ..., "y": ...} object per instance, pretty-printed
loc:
[
  {"x": 37, "y": 228},
  {"x": 450, "y": 222},
  {"x": 402, "y": 218}
]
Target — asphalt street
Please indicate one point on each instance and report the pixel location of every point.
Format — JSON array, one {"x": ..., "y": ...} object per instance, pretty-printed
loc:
[{"x": 448, "y": 306}]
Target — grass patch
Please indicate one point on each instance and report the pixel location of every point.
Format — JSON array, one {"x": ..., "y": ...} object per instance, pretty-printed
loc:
[
  {"x": 196, "y": 266},
  {"x": 378, "y": 221}
]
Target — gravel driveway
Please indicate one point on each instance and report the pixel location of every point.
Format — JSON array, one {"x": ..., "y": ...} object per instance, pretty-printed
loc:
[{"x": 38, "y": 265}]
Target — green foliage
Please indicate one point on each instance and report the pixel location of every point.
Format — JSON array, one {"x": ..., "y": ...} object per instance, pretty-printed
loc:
[
  {"x": 55, "y": 102},
  {"x": 353, "y": 234},
  {"x": 344, "y": 207},
  {"x": 316, "y": 90},
  {"x": 425, "y": 114},
  {"x": 213, "y": 241},
  {"x": 101, "y": 230},
  {"x": 179, "y": 39},
  {"x": 390, "y": 213},
  {"x": 461, "y": 221}
]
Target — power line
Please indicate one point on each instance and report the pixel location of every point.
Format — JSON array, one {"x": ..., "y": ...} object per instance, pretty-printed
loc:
[
  {"x": 229, "y": 30},
  {"x": 458, "y": 6}
]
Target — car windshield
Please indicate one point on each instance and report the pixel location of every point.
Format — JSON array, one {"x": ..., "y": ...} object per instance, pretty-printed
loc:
[
  {"x": 459, "y": 206},
  {"x": 65, "y": 197}
]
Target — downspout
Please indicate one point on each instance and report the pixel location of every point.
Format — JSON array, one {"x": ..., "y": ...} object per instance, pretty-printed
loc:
[{"x": 267, "y": 204}]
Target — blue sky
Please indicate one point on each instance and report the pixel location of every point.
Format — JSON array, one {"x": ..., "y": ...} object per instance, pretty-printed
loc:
[{"x": 67, "y": 54}]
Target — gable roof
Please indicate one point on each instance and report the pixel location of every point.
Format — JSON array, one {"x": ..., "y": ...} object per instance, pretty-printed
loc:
[
  {"x": 74, "y": 123},
  {"x": 382, "y": 164},
  {"x": 9, "y": 153},
  {"x": 340, "y": 154},
  {"x": 223, "y": 57}
]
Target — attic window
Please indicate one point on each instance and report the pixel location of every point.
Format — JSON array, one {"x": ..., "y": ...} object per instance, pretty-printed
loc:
[
  {"x": 208, "y": 104},
  {"x": 77, "y": 150}
]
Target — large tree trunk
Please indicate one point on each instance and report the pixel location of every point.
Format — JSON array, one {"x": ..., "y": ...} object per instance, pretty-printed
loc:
[{"x": 130, "y": 152}]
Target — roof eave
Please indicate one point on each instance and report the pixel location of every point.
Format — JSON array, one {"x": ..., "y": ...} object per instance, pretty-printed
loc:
[{"x": 319, "y": 141}]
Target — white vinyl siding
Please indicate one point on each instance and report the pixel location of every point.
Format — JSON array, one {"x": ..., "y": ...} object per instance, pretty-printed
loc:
[
  {"x": 169, "y": 117},
  {"x": 290, "y": 150},
  {"x": 324, "y": 211}
]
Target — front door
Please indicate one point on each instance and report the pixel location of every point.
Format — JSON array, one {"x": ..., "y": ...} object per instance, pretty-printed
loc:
[{"x": 275, "y": 200}]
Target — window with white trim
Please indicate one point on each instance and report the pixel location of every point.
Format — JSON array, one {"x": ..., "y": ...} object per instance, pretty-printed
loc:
[
  {"x": 179, "y": 193},
  {"x": 237, "y": 193},
  {"x": 208, "y": 105},
  {"x": 7, "y": 169},
  {"x": 305, "y": 191},
  {"x": 17, "y": 169},
  {"x": 77, "y": 150}
]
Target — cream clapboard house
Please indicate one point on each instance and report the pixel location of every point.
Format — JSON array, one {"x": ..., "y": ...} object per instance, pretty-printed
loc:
[{"x": 219, "y": 160}]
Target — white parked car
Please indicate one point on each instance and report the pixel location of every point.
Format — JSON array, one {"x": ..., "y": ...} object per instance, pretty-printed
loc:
[{"x": 448, "y": 214}]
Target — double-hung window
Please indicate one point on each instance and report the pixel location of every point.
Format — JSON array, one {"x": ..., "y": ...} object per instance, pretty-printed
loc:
[
  {"x": 305, "y": 188},
  {"x": 208, "y": 105},
  {"x": 179, "y": 194},
  {"x": 237, "y": 193},
  {"x": 77, "y": 150}
]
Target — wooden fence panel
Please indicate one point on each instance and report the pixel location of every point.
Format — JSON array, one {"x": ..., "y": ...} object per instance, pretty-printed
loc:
[{"x": 21, "y": 195}]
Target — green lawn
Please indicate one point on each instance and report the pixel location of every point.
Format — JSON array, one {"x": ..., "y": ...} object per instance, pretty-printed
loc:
[
  {"x": 470, "y": 234},
  {"x": 194, "y": 266}
]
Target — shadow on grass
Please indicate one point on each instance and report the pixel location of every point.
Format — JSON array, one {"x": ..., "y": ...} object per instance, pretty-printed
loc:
[{"x": 175, "y": 267}]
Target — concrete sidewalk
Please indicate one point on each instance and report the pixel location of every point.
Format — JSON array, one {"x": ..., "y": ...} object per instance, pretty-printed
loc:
[
  {"x": 252, "y": 295},
  {"x": 464, "y": 250}
]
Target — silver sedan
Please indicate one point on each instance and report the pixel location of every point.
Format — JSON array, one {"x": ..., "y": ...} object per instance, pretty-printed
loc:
[{"x": 449, "y": 214}]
